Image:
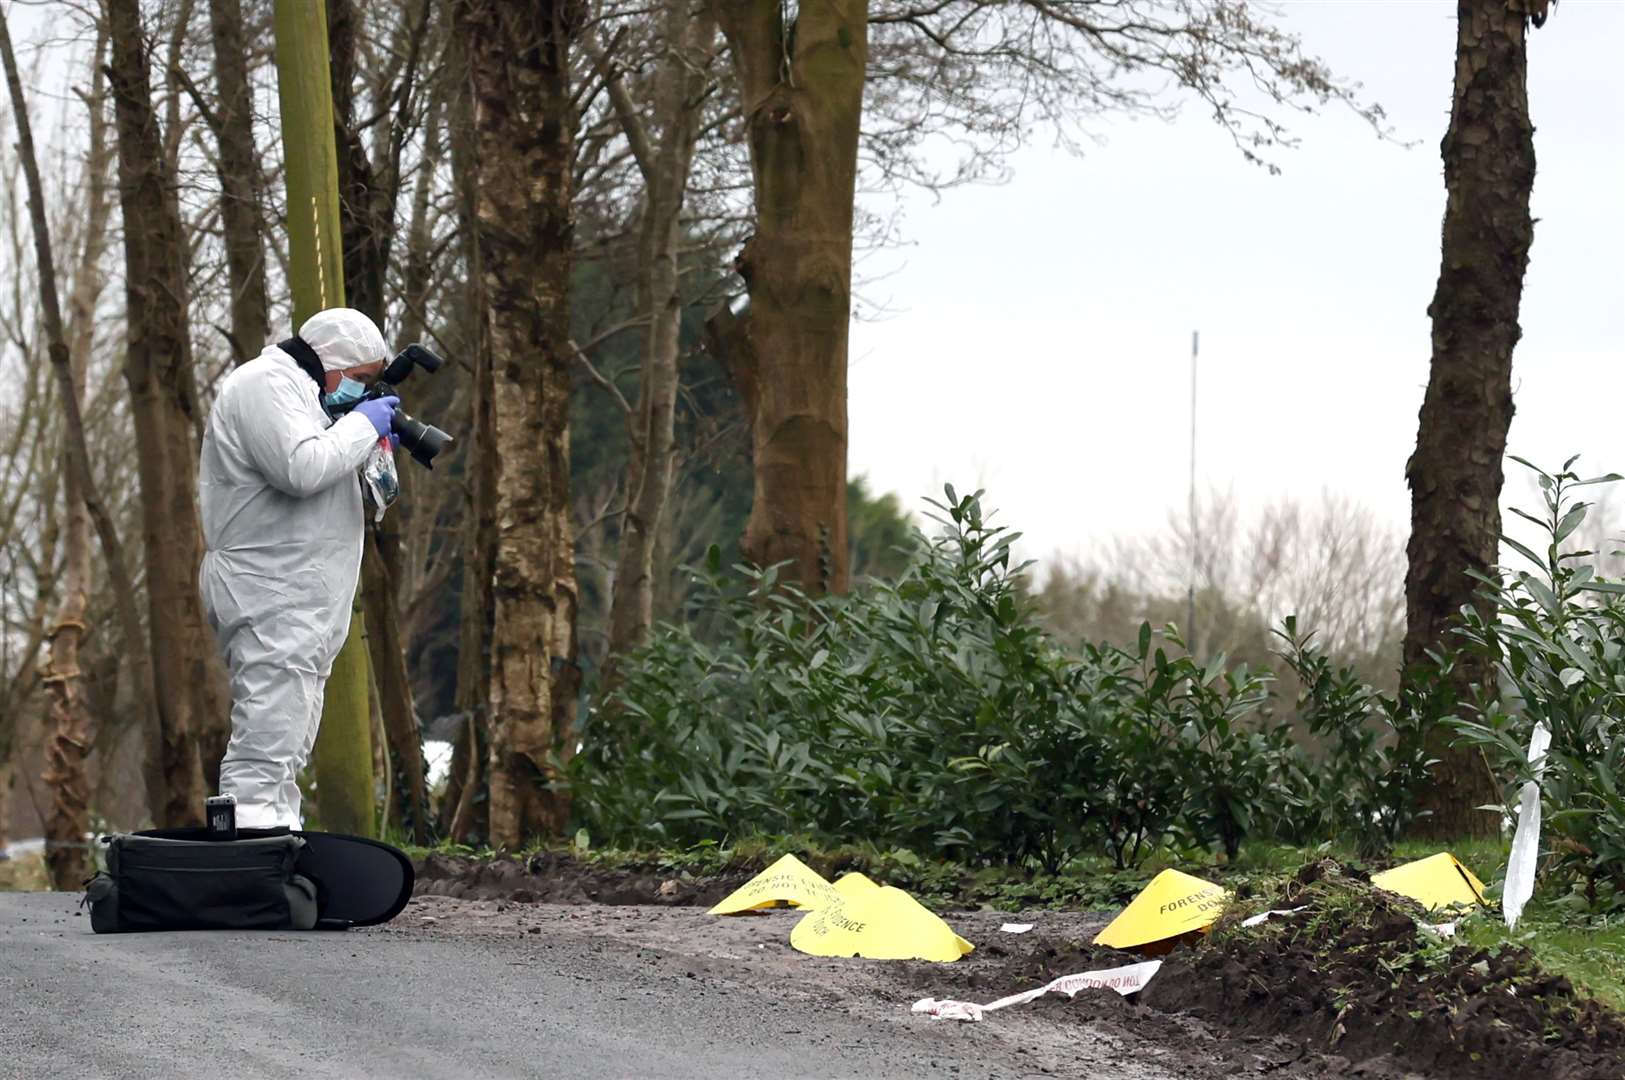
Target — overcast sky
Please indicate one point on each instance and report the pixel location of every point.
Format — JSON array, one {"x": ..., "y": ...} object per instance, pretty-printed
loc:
[{"x": 1039, "y": 337}]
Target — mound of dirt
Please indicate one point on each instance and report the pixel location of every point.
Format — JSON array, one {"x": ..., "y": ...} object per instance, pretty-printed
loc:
[
  {"x": 1350, "y": 986},
  {"x": 1356, "y": 975},
  {"x": 561, "y": 878},
  {"x": 1187, "y": 1045}
]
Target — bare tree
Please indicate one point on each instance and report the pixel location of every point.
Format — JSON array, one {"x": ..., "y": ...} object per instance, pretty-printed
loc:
[
  {"x": 802, "y": 80},
  {"x": 1330, "y": 563},
  {"x": 662, "y": 136},
  {"x": 239, "y": 172},
  {"x": 163, "y": 392},
  {"x": 68, "y": 348},
  {"x": 466, "y": 783}
]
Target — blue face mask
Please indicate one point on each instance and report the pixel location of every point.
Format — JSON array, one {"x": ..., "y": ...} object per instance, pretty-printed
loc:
[{"x": 348, "y": 393}]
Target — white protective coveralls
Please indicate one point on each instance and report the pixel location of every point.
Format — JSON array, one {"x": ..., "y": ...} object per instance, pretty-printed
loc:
[{"x": 282, "y": 523}]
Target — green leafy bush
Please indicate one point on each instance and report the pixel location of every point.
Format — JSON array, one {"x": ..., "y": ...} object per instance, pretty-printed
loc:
[
  {"x": 1360, "y": 786},
  {"x": 1557, "y": 642},
  {"x": 930, "y": 713}
]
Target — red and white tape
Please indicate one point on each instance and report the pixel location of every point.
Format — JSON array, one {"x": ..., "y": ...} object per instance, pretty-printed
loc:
[{"x": 1125, "y": 980}]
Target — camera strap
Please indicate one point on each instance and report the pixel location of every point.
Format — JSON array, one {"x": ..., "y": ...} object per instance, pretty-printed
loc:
[{"x": 305, "y": 356}]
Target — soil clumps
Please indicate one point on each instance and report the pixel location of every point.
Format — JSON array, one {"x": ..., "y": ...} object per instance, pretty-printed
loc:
[{"x": 1353, "y": 985}]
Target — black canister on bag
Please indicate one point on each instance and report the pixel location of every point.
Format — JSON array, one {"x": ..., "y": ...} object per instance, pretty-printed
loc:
[{"x": 220, "y": 811}]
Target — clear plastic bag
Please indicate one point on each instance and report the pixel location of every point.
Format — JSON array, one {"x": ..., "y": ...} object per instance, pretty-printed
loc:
[{"x": 382, "y": 482}]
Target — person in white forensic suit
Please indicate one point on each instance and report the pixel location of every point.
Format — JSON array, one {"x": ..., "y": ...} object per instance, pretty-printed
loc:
[{"x": 280, "y": 496}]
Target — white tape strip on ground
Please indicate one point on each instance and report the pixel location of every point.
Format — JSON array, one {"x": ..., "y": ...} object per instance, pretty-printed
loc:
[
  {"x": 1125, "y": 980},
  {"x": 1016, "y": 927},
  {"x": 1254, "y": 920}
]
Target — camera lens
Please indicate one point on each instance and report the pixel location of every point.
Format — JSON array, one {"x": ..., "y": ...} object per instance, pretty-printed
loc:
[{"x": 423, "y": 441}]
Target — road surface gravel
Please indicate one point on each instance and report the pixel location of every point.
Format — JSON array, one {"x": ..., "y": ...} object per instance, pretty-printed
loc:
[{"x": 459, "y": 988}]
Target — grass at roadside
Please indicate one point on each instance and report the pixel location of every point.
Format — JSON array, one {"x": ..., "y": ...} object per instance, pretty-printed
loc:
[
  {"x": 24, "y": 873},
  {"x": 1591, "y": 952}
]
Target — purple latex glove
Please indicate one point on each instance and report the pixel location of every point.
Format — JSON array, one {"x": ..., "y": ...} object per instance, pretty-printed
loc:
[{"x": 378, "y": 412}]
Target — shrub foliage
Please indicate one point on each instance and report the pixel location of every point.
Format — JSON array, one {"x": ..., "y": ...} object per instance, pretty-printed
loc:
[
  {"x": 1557, "y": 641},
  {"x": 933, "y": 713}
]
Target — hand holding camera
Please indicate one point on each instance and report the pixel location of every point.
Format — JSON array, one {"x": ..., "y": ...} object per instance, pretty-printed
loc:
[
  {"x": 381, "y": 407},
  {"x": 380, "y": 412}
]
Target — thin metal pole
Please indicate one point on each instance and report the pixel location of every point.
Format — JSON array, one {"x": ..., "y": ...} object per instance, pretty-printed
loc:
[{"x": 1190, "y": 594}]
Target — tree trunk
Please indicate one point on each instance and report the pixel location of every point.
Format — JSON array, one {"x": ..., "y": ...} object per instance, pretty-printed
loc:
[
  {"x": 524, "y": 129},
  {"x": 460, "y": 810},
  {"x": 1455, "y": 474},
  {"x": 400, "y": 722},
  {"x": 802, "y": 86},
  {"x": 665, "y": 151},
  {"x": 366, "y": 210},
  {"x": 89, "y": 283},
  {"x": 239, "y": 171},
  {"x": 8, "y": 774},
  {"x": 158, "y": 370}
]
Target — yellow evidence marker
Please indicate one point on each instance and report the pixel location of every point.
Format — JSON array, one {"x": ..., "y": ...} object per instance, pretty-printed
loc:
[
  {"x": 788, "y": 882},
  {"x": 854, "y": 884},
  {"x": 879, "y": 923},
  {"x": 1171, "y": 905},
  {"x": 1434, "y": 882}
]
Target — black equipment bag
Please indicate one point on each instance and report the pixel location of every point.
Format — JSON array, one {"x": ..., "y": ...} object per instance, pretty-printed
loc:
[{"x": 161, "y": 883}]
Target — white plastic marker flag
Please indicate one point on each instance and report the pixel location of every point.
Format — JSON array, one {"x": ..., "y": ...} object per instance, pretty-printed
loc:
[
  {"x": 1125, "y": 980},
  {"x": 1520, "y": 885}
]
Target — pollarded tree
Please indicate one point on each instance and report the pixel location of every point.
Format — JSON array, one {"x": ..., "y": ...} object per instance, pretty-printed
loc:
[{"x": 821, "y": 79}]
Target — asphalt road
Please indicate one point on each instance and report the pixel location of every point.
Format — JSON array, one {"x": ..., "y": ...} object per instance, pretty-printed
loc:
[{"x": 228, "y": 1006}]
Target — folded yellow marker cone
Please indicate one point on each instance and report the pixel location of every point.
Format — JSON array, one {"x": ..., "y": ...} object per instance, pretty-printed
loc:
[
  {"x": 788, "y": 881},
  {"x": 1173, "y": 904},
  {"x": 854, "y": 884},
  {"x": 1434, "y": 882},
  {"x": 880, "y": 923}
]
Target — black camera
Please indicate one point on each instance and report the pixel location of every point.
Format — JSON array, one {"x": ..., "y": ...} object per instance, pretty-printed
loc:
[{"x": 423, "y": 441}]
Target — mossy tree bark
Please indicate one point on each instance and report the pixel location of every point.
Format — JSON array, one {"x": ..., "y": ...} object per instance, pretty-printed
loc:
[
  {"x": 343, "y": 757},
  {"x": 369, "y": 192},
  {"x": 524, "y": 135}
]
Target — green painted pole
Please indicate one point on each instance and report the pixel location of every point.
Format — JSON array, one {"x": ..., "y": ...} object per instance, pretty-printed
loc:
[{"x": 343, "y": 757}]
